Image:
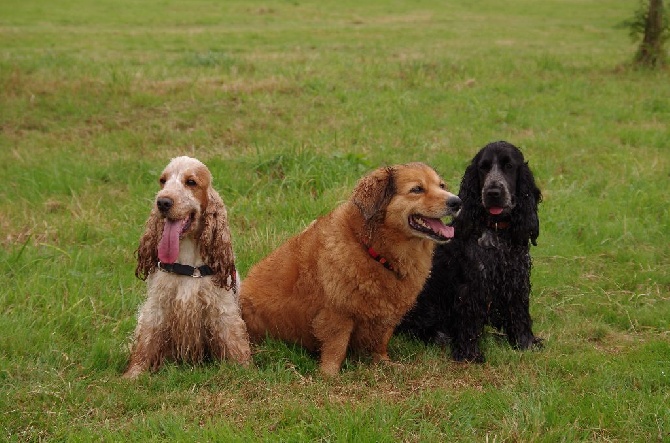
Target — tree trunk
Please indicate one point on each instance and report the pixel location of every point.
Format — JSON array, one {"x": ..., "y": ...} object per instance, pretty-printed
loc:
[{"x": 650, "y": 52}]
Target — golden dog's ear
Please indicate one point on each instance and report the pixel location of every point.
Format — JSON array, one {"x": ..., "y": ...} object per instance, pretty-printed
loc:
[{"x": 373, "y": 194}]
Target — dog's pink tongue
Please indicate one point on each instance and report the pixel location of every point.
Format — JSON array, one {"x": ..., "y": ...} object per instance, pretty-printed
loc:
[
  {"x": 168, "y": 248},
  {"x": 495, "y": 211},
  {"x": 439, "y": 227}
]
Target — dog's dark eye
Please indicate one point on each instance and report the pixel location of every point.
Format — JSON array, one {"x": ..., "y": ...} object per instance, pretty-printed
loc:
[
  {"x": 190, "y": 182},
  {"x": 443, "y": 186},
  {"x": 509, "y": 166},
  {"x": 162, "y": 181},
  {"x": 485, "y": 166},
  {"x": 416, "y": 189}
]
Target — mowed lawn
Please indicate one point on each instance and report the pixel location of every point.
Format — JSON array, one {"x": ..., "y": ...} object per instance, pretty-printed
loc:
[{"x": 289, "y": 103}]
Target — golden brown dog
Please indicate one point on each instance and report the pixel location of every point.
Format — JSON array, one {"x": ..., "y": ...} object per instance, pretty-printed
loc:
[{"x": 347, "y": 280}]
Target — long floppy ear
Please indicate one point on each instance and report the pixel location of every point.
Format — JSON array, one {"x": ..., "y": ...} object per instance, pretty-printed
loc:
[
  {"x": 373, "y": 193},
  {"x": 470, "y": 193},
  {"x": 147, "y": 251},
  {"x": 215, "y": 242},
  {"x": 525, "y": 222}
]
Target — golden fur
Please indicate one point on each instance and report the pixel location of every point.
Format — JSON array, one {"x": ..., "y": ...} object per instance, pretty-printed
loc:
[
  {"x": 323, "y": 289},
  {"x": 186, "y": 318}
]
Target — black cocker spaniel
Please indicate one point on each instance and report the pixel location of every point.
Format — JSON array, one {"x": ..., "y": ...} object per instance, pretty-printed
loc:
[{"x": 483, "y": 275}]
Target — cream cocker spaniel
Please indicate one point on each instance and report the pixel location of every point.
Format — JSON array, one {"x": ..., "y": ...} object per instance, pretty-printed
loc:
[{"x": 185, "y": 254}]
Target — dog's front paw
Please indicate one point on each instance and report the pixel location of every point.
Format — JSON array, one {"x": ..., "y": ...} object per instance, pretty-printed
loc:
[
  {"x": 529, "y": 342},
  {"x": 468, "y": 356},
  {"x": 133, "y": 372},
  {"x": 329, "y": 369}
]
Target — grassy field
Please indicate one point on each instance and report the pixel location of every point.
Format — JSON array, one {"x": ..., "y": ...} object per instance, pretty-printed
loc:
[{"x": 289, "y": 103}]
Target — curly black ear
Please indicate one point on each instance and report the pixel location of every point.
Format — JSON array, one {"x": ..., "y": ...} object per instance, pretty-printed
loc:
[
  {"x": 525, "y": 222},
  {"x": 471, "y": 195}
]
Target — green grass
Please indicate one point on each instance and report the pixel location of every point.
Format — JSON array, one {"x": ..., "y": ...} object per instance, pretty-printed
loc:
[{"x": 289, "y": 103}]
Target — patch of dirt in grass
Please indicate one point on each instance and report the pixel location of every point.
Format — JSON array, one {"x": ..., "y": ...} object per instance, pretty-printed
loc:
[{"x": 238, "y": 86}]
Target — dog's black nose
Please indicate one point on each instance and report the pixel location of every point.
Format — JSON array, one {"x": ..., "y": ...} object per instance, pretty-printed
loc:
[
  {"x": 493, "y": 192},
  {"x": 454, "y": 203},
  {"x": 164, "y": 204}
]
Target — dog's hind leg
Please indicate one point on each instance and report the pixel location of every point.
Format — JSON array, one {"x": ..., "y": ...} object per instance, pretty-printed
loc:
[{"x": 333, "y": 331}]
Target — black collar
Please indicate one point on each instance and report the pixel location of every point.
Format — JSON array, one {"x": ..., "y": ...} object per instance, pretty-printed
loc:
[{"x": 178, "y": 268}]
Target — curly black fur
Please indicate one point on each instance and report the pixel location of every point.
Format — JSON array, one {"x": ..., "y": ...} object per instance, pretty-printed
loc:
[{"x": 483, "y": 275}]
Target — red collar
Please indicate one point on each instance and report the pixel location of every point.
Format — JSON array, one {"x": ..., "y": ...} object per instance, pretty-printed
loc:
[{"x": 375, "y": 255}]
